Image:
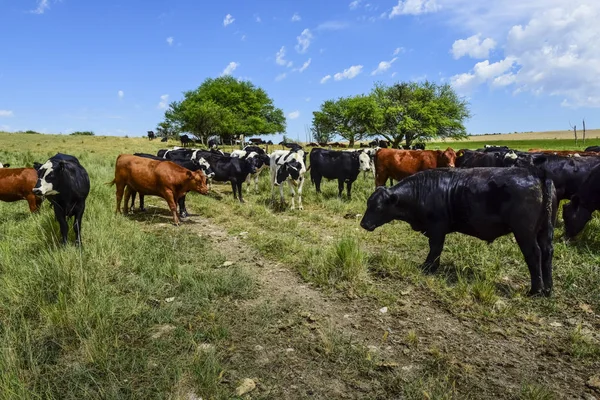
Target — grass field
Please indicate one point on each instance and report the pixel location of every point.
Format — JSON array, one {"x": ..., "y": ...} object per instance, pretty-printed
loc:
[{"x": 305, "y": 304}]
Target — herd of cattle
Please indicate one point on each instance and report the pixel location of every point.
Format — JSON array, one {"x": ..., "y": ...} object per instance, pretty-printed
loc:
[{"x": 485, "y": 193}]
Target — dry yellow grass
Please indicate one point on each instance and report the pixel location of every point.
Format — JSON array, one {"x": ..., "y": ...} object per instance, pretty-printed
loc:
[{"x": 589, "y": 134}]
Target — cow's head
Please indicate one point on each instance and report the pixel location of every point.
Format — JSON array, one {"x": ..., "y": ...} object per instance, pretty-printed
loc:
[
  {"x": 198, "y": 180},
  {"x": 364, "y": 161},
  {"x": 49, "y": 175},
  {"x": 205, "y": 167},
  {"x": 575, "y": 216},
  {"x": 447, "y": 158},
  {"x": 379, "y": 209},
  {"x": 290, "y": 169},
  {"x": 250, "y": 164}
]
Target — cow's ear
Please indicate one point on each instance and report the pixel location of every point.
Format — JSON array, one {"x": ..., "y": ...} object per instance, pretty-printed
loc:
[
  {"x": 37, "y": 165},
  {"x": 460, "y": 153},
  {"x": 189, "y": 174}
]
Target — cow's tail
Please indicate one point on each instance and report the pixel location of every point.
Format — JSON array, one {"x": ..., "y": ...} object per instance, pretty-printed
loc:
[{"x": 111, "y": 182}]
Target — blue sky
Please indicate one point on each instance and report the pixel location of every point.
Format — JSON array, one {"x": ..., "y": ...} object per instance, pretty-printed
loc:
[{"x": 112, "y": 66}]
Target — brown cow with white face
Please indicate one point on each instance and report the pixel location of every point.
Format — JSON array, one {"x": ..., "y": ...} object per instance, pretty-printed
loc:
[
  {"x": 398, "y": 164},
  {"x": 17, "y": 184},
  {"x": 155, "y": 178}
]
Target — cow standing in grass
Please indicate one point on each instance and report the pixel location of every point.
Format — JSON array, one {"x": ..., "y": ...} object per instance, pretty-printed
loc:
[
  {"x": 290, "y": 166},
  {"x": 341, "y": 165},
  {"x": 17, "y": 184},
  {"x": 262, "y": 161}
]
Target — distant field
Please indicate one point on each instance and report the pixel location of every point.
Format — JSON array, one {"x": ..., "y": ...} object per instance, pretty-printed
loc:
[
  {"x": 589, "y": 134},
  {"x": 296, "y": 304}
]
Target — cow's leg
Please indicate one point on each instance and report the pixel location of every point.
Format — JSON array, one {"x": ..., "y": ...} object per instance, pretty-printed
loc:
[
  {"x": 544, "y": 240},
  {"x": 234, "y": 188},
  {"x": 340, "y": 187},
  {"x": 380, "y": 178},
  {"x": 531, "y": 251},
  {"x": 281, "y": 193},
  {"x": 133, "y": 200},
  {"x": 172, "y": 206},
  {"x": 142, "y": 208},
  {"x": 239, "y": 189},
  {"x": 120, "y": 189},
  {"x": 293, "y": 193},
  {"x": 62, "y": 222},
  {"x": 32, "y": 200},
  {"x": 436, "y": 245},
  {"x": 182, "y": 210},
  {"x": 128, "y": 192},
  {"x": 249, "y": 183},
  {"x": 77, "y": 223},
  {"x": 317, "y": 180},
  {"x": 349, "y": 187},
  {"x": 256, "y": 182},
  {"x": 300, "y": 186}
]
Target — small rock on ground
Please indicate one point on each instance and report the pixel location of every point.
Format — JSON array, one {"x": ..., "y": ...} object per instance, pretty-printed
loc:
[{"x": 246, "y": 385}]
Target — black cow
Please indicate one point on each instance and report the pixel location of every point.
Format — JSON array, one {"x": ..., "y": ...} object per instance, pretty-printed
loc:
[
  {"x": 593, "y": 148},
  {"x": 579, "y": 211},
  {"x": 185, "y": 140},
  {"x": 418, "y": 146},
  {"x": 164, "y": 140},
  {"x": 151, "y": 135},
  {"x": 341, "y": 165},
  {"x": 66, "y": 184},
  {"x": 379, "y": 143},
  {"x": 471, "y": 158},
  {"x": 232, "y": 169},
  {"x": 192, "y": 165},
  {"x": 485, "y": 203},
  {"x": 568, "y": 173}
]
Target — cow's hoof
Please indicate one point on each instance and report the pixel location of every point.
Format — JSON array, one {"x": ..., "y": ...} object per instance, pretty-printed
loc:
[
  {"x": 143, "y": 209},
  {"x": 183, "y": 215},
  {"x": 300, "y": 208},
  {"x": 429, "y": 268},
  {"x": 242, "y": 201},
  {"x": 535, "y": 293}
]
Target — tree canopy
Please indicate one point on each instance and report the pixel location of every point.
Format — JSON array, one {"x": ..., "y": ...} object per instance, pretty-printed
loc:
[
  {"x": 406, "y": 111},
  {"x": 226, "y": 107}
]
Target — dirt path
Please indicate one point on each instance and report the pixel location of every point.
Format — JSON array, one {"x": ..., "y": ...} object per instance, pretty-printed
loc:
[{"x": 297, "y": 342}]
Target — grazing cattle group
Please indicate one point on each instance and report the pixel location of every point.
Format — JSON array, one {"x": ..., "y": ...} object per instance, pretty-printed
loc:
[{"x": 485, "y": 193}]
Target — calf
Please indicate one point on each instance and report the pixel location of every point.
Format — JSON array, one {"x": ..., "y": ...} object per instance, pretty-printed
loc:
[
  {"x": 155, "y": 178},
  {"x": 230, "y": 169},
  {"x": 398, "y": 164},
  {"x": 17, "y": 184},
  {"x": 66, "y": 184},
  {"x": 262, "y": 161},
  {"x": 192, "y": 165},
  {"x": 341, "y": 165},
  {"x": 485, "y": 203},
  {"x": 290, "y": 166},
  {"x": 579, "y": 211}
]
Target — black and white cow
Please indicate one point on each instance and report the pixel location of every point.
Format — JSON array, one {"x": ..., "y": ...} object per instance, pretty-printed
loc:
[
  {"x": 4, "y": 165},
  {"x": 66, "y": 185},
  {"x": 290, "y": 166},
  {"x": 262, "y": 162},
  {"x": 192, "y": 165},
  {"x": 485, "y": 203},
  {"x": 229, "y": 169},
  {"x": 370, "y": 152},
  {"x": 341, "y": 165}
]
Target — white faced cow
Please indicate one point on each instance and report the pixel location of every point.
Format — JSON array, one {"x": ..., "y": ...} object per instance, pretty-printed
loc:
[
  {"x": 365, "y": 160},
  {"x": 288, "y": 165},
  {"x": 262, "y": 161}
]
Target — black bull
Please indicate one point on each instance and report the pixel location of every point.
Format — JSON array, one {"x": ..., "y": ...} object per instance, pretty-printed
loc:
[{"x": 485, "y": 203}]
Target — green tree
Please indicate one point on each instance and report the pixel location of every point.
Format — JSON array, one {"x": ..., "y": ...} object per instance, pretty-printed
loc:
[
  {"x": 348, "y": 117},
  {"x": 227, "y": 107},
  {"x": 418, "y": 111}
]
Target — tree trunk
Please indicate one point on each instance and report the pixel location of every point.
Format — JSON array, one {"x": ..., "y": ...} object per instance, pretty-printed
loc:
[
  {"x": 351, "y": 142},
  {"x": 397, "y": 141}
]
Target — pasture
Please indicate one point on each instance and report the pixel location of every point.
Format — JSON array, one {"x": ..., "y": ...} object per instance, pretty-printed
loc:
[{"x": 305, "y": 304}]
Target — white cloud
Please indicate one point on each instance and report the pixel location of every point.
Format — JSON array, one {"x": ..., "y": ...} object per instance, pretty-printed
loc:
[
  {"x": 6, "y": 113},
  {"x": 551, "y": 45},
  {"x": 280, "y": 77},
  {"x": 280, "y": 58},
  {"x": 304, "y": 41},
  {"x": 348, "y": 73},
  {"x": 257, "y": 18},
  {"x": 354, "y": 5},
  {"x": 307, "y": 99},
  {"x": 393, "y": 74},
  {"x": 413, "y": 7},
  {"x": 305, "y": 65},
  {"x": 398, "y": 50},
  {"x": 121, "y": 94},
  {"x": 383, "y": 66},
  {"x": 325, "y": 78},
  {"x": 170, "y": 40},
  {"x": 230, "y": 68},
  {"x": 164, "y": 101},
  {"x": 228, "y": 20},
  {"x": 473, "y": 46},
  {"x": 42, "y": 6},
  {"x": 294, "y": 114},
  {"x": 243, "y": 38},
  {"x": 296, "y": 17}
]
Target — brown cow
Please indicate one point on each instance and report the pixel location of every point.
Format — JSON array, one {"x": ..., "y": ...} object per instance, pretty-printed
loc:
[
  {"x": 17, "y": 184},
  {"x": 155, "y": 178},
  {"x": 398, "y": 164}
]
